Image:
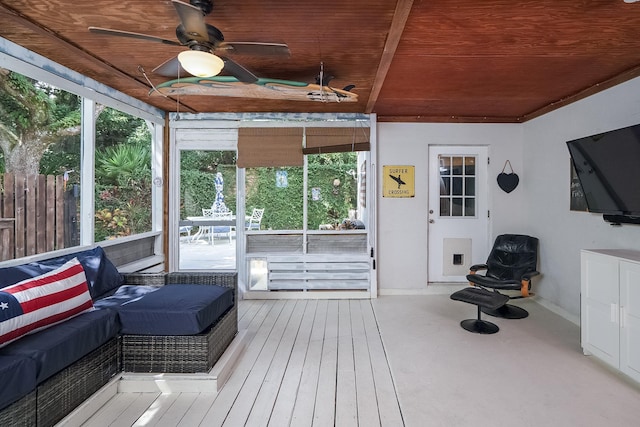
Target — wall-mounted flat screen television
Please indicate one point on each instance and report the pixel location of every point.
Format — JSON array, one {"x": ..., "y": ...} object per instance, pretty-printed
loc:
[{"x": 608, "y": 167}]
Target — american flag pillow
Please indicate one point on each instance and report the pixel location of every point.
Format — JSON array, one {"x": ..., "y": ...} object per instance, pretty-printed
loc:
[{"x": 43, "y": 301}]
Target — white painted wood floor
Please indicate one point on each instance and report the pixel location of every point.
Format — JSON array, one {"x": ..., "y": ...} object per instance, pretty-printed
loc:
[
  {"x": 322, "y": 363},
  {"x": 308, "y": 363}
]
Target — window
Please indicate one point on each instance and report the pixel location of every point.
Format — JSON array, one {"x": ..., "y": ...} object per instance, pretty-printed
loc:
[
  {"x": 333, "y": 189},
  {"x": 123, "y": 175},
  {"x": 42, "y": 194},
  {"x": 40, "y": 145},
  {"x": 457, "y": 186},
  {"x": 279, "y": 191}
]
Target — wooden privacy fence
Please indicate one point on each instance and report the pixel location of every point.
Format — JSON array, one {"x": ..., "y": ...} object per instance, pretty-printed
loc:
[{"x": 36, "y": 215}]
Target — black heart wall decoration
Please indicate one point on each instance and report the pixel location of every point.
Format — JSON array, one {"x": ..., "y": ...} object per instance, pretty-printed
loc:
[{"x": 508, "y": 181}]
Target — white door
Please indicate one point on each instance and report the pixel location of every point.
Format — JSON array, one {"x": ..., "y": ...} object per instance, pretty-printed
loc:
[
  {"x": 458, "y": 228},
  {"x": 197, "y": 155}
]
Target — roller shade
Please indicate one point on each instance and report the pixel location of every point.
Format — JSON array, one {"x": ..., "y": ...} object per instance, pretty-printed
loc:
[
  {"x": 336, "y": 140},
  {"x": 269, "y": 147}
]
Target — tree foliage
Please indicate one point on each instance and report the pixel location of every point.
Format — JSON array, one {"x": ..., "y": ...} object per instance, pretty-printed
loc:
[{"x": 33, "y": 116}]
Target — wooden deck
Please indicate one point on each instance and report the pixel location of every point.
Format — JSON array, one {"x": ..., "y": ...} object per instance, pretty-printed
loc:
[
  {"x": 322, "y": 363},
  {"x": 308, "y": 363}
]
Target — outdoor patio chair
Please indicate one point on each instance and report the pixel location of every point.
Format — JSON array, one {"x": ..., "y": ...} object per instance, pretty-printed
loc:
[
  {"x": 214, "y": 230},
  {"x": 255, "y": 220},
  {"x": 185, "y": 230}
]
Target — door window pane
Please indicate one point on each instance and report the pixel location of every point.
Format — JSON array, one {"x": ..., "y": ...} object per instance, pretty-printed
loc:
[
  {"x": 469, "y": 166},
  {"x": 456, "y": 165},
  {"x": 469, "y": 207},
  {"x": 445, "y": 209},
  {"x": 470, "y": 186},
  {"x": 457, "y": 186}
]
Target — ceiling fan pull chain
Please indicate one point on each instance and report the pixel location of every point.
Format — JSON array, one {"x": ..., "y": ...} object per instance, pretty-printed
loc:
[
  {"x": 144, "y": 74},
  {"x": 322, "y": 94}
]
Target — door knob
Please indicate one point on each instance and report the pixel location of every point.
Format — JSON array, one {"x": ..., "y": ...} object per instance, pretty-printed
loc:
[{"x": 431, "y": 221}]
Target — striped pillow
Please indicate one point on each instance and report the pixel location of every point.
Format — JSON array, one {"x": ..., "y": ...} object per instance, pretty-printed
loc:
[{"x": 43, "y": 301}]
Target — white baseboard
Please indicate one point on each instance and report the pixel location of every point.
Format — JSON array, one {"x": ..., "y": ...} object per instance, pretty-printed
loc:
[{"x": 557, "y": 310}]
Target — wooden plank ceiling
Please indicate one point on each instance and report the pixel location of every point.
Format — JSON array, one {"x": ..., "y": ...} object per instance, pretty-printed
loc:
[{"x": 410, "y": 60}]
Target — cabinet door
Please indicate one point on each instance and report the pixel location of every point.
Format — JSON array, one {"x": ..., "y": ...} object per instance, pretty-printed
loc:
[
  {"x": 630, "y": 319},
  {"x": 600, "y": 329}
]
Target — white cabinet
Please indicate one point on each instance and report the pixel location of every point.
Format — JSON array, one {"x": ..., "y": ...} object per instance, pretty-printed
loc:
[{"x": 610, "y": 308}]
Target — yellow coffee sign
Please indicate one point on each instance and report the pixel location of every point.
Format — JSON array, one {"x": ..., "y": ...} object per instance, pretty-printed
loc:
[{"x": 398, "y": 181}]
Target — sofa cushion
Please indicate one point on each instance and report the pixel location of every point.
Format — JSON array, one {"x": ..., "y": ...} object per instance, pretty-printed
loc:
[
  {"x": 18, "y": 378},
  {"x": 176, "y": 309},
  {"x": 102, "y": 275},
  {"x": 55, "y": 348},
  {"x": 43, "y": 301},
  {"x": 13, "y": 275},
  {"x": 123, "y": 295}
]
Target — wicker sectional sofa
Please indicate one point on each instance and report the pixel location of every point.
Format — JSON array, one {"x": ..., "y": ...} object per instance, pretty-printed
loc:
[{"x": 48, "y": 373}]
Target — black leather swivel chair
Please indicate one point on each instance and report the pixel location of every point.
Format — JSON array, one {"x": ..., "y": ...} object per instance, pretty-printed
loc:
[{"x": 510, "y": 266}]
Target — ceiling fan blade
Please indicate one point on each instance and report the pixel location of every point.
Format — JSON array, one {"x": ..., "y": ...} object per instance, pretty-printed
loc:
[
  {"x": 193, "y": 21},
  {"x": 171, "y": 68},
  {"x": 238, "y": 71},
  {"x": 129, "y": 34},
  {"x": 254, "y": 48}
]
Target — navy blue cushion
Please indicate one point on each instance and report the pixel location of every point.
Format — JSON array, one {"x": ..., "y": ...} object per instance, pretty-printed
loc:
[
  {"x": 176, "y": 309},
  {"x": 13, "y": 275},
  {"x": 102, "y": 275},
  {"x": 123, "y": 295},
  {"x": 57, "y": 347},
  {"x": 18, "y": 378}
]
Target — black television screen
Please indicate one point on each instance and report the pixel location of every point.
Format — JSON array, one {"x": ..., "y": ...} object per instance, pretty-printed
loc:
[{"x": 608, "y": 167}]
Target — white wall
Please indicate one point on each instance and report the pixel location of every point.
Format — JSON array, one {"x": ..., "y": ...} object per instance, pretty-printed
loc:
[
  {"x": 402, "y": 223},
  {"x": 539, "y": 206},
  {"x": 562, "y": 232}
]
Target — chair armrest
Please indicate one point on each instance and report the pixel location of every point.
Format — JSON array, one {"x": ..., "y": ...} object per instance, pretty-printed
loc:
[
  {"x": 525, "y": 283},
  {"x": 477, "y": 267}
]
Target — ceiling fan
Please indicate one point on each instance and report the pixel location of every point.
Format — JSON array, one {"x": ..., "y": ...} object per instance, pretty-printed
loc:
[{"x": 208, "y": 52}]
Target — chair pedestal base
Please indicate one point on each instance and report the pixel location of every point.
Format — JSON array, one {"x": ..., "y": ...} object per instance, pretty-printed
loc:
[
  {"x": 479, "y": 326},
  {"x": 507, "y": 311}
]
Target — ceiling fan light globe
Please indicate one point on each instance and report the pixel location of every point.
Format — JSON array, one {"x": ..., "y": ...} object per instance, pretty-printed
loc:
[{"x": 200, "y": 64}]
